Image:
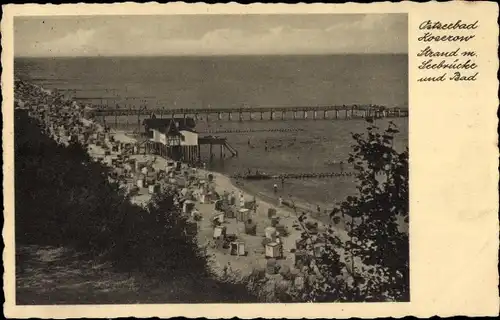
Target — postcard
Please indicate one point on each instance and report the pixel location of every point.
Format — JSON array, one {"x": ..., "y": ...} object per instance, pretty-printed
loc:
[{"x": 263, "y": 160}]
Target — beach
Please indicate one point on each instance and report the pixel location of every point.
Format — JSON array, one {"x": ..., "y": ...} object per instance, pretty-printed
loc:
[
  {"x": 110, "y": 146},
  {"x": 209, "y": 170},
  {"x": 255, "y": 257},
  {"x": 221, "y": 259},
  {"x": 232, "y": 82}
]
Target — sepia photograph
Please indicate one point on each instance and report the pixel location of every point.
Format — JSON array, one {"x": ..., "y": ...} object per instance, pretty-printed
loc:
[{"x": 211, "y": 158}]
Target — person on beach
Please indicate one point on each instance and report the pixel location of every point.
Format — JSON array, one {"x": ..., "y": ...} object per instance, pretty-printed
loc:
[
  {"x": 319, "y": 209},
  {"x": 280, "y": 201},
  {"x": 254, "y": 204},
  {"x": 242, "y": 200},
  {"x": 275, "y": 187},
  {"x": 282, "y": 183},
  {"x": 232, "y": 198}
]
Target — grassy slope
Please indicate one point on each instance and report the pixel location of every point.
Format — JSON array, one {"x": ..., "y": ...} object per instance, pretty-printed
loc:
[
  {"x": 50, "y": 271},
  {"x": 53, "y": 275}
]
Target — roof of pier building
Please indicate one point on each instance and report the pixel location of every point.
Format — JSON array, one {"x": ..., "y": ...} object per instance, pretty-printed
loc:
[
  {"x": 169, "y": 127},
  {"x": 181, "y": 122},
  {"x": 170, "y": 130}
]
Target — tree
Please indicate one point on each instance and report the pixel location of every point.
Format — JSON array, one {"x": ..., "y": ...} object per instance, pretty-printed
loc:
[{"x": 371, "y": 264}]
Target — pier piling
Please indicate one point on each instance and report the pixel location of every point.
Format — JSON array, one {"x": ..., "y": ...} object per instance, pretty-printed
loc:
[{"x": 350, "y": 112}]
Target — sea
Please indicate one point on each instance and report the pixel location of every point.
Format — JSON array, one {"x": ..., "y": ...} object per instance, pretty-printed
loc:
[{"x": 241, "y": 82}]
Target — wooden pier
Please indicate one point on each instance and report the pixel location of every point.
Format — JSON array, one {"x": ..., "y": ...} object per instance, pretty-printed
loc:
[
  {"x": 189, "y": 154},
  {"x": 211, "y": 141},
  {"x": 260, "y": 113}
]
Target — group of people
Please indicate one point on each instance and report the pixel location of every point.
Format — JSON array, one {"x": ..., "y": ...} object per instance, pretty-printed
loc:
[
  {"x": 61, "y": 118},
  {"x": 266, "y": 145},
  {"x": 275, "y": 186},
  {"x": 65, "y": 122}
]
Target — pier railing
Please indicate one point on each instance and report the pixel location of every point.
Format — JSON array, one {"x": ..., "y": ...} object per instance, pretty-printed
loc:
[
  {"x": 260, "y": 113},
  {"x": 222, "y": 142}
]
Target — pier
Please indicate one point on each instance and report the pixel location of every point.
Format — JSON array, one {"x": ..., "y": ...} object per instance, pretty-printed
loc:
[
  {"x": 211, "y": 141},
  {"x": 189, "y": 154},
  {"x": 260, "y": 113}
]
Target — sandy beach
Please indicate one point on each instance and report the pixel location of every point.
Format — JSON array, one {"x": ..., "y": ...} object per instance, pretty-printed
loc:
[
  {"x": 116, "y": 149},
  {"x": 221, "y": 259},
  {"x": 255, "y": 257}
]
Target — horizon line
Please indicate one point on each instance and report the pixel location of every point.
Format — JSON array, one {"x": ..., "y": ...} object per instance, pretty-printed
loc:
[{"x": 211, "y": 55}]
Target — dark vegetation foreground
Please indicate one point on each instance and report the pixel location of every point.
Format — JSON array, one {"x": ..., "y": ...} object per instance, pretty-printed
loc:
[{"x": 80, "y": 241}]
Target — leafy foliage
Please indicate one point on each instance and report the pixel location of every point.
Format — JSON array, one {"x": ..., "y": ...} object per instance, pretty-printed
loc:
[{"x": 371, "y": 262}]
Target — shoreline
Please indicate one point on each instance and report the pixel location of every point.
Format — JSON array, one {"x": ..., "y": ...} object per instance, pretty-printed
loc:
[
  {"x": 262, "y": 194},
  {"x": 255, "y": 257},
  {"x": 253, "y": 190}
]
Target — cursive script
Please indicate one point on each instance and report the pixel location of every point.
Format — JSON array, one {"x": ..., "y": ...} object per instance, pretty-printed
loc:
[{"x": 437, "y": 62}]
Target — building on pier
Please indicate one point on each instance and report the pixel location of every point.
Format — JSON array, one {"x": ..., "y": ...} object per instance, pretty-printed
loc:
[
  {"x": 172, "y": 138},
  {"x": 189, "y": 144},
  {"x": 166, "y": 135},
  {"x": 177, "y": 139},
  {"x": 163, "y": 123}
]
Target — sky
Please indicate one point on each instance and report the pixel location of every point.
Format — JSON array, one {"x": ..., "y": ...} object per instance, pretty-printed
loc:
[{"x": 174, "y": 35}]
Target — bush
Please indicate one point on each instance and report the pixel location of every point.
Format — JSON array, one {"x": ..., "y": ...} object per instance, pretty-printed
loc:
[
  {"x": 376, "y": 255},
  {"x": 63, "y": 198}
]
